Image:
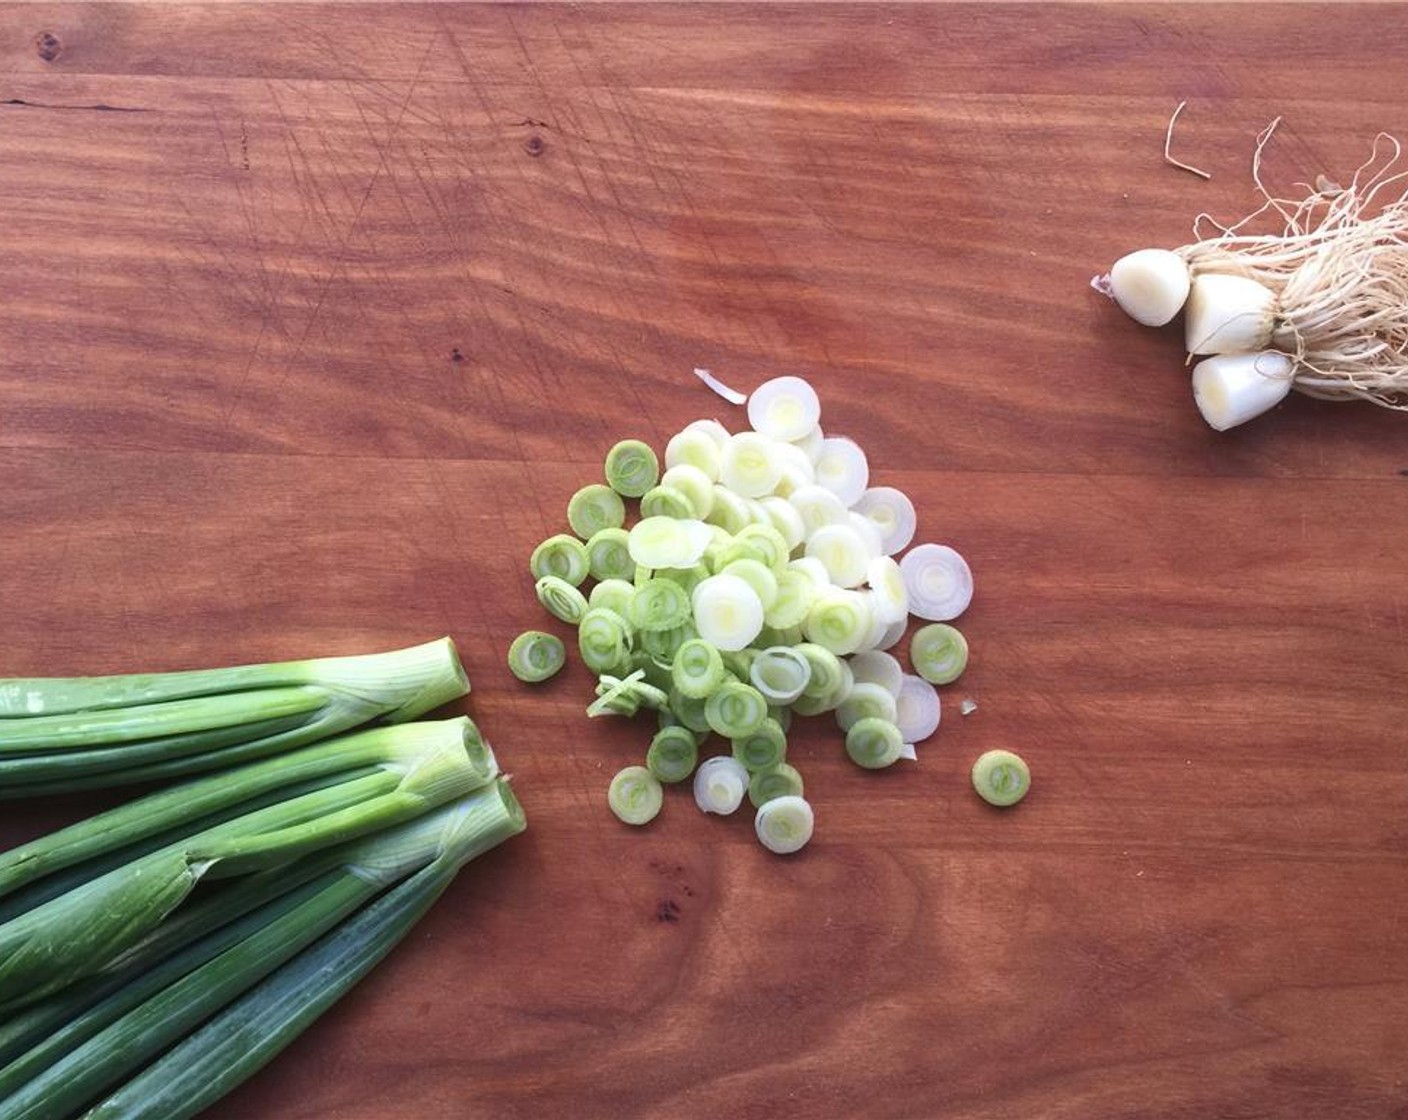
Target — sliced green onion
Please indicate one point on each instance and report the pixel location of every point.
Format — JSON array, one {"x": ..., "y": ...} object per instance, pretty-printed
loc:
[
  {"x": 689, "y": 710},
  {"x": 784, "y": 408},
  {"x": 877, "y": 667},
  {"x": 768, "y": 545},
  {"x": 729, "y": 549},
  {"x": 806, "y": 705},
  {"x": 608, "y": 556},
  {"x": 666, "y": 501},
  {"x": 1001, "y": 778},
  {"x": 662, "y": 645},
  {"x": 838, "y": 619},
  {"x": 751, "y": 465},
  {"x": 842, "y": 468},
  {"x": 762, "y": 748},
  {"x": 735, "y": 710},
  {"x": 891, "y": 598},
  {"x": 866, "y": 701},
  {"x": 818, "y": 507},
  {"x": 891, "y": 512},
  {"x": 668, "y": 542},
  {"x": 729, "y": 511},
  {"x": 784, "y": 824},
  {"x": 562, "y": 556},
  {"x": 739, "y": 662},
  {"x": 939, "y": 581},
  {"x": 786, "y": 520},
  {"x": 841, "y": 550},
  {"x": 810, "y": 444},
  {"x": 688, "y": 578},
  {"x": 673, "y": 754},
  {"x": 698, "y": 669},
  {"x": 604, "y": 641},
  {"x": 659, "y": 604},
  {"x": 793, "y": 601},
  {"x": 635, "y": 795},
  {"x": 613, "y": 594},
  {"x": 594, "y": 508},
  {"x": 781, "y": 780},
  {"x": 561, "y": 599},
  {"x": 874, "y": 743},
  {"x": 939, "y": 653},
  {"x": 827, "y": 671},
  {"x": 626, "y": 695},
  {"x": 918, "y": 709},
  {"x": 781, "y": 674},
  {"x": 711, "y": 428},
  {"x": 535, "y": 656},
  {"x": 719, "y": 784},
  {"x": 698, "y": 449},
  {"x": 756, "y": 575},
  {"x": 893, "y": 633},
  {"x": 696, "y": 486},
  {"x": 727, "y": 612},
  {"x": 631, "y": 468}
]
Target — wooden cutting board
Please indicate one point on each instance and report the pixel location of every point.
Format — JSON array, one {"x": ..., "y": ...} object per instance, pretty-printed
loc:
[{"x": 314, "y": 317}]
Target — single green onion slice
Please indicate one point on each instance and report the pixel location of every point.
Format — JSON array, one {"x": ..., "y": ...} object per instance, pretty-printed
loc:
[
  {"x": 842, "y": 468},
  {"x": 659, "y": 604},
  {"x": 666, "y": 501},
  {"x": 795, "y": 594},
  {"x": 756, "y": 575},
  {"x": 838, "y": 620},
  {"x": 594, "y": 508},
  {"x": 698, "y": 669},
  {"x": 535, "y": 656},
  {"x": 889, "y": 596},
  {"x": 818, "y": 507},
  {"x": 613, "y": 594},
  {"x": 844, "y": 553},
  {"x": 604, "y": 640},
  {"x": 767, "y": 543},
  {"x": 608, "y": 556},
  {"x": 761, "y": 749},
  {"x": 874, "y": 743},
  {"x": 877, "y": 667},
  {"x": 781, "y": 780},
  {"x": 697, "y": 448},
  {"x": 735, "y": 709},
  {"x": 561, "y": 599},
  {"x": 784, "y": 824},
  {"x": 780, "y": 673},
  {"x": 632, "y": 468},
  {"x": 667, "y": 542},
  {"x": 786, "y": 520},
  {"x": 635, "y": 795},
  {"x": 918, "y": 709},
  {"x": 719, "y": 784},
  {"x": 827, "y": 670},
  {"x": 1001, "y": 778},
  {"x": 727, "y": 612},
  {"x": 689, "y": 710},
  {"x": 562, "y": 556},
  {"x": 939, "y": 653},
  {"x": 784, "y": 408},
  {"x": 673, "y": 754},
  {"x": 890, "y": 511},
  {"x": 939, "y": 581},
  {"x": 866, "y": 701},
  {"x": 729, "y": 511},
  {"x": 751, "y": 465},
  {"x": 692, "y": 482}
]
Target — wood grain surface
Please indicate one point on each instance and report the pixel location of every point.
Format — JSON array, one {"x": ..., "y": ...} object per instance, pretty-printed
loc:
[{"x": 312, "y": 318}]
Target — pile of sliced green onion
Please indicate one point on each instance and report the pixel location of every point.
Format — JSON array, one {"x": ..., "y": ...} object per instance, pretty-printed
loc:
[{"x": 759, "y": 582}]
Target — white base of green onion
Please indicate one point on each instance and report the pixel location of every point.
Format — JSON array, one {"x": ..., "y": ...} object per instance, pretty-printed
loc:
[
  {"x": 1001, "y": 778},
  {"x": 667, "y": 542},
  {"x": 818, "y": 507},
  {"x": 939, "y": 653},
  {"x": 1231, "y": 389},
  {"x": 784, "y": 825},
  {"x": 917, "y": 709},
  {"x": 843, "y": 552},
  {"x": 751, "y": 465},
  {"x": 877, "y": 667},
  {"x": 727, "y": 612},
  {"x": 698, "y": 449},
  {"x": 635, "y": 795},
  {"x": 890, "y": 511},
  {"x": 1228, "y": 315},
  {"x": 785, "y": 408},
  {"x": 1150, "y": 285},
  {"x": 719, "y": 784},
  {"x": 842, "y": 468},
  {"x": 890, "y": 600},
  {"x": 939, "y": 582}
]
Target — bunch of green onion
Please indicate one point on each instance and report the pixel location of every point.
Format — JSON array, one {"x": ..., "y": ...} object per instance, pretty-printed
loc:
[
  {"x": 156, "y": 955},
  {"x": 759, "y": 582}
]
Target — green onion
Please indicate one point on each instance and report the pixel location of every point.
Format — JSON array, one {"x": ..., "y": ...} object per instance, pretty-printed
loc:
[
  {"x": 698, "y": 669},
  {"x": 627, "y": 695},
  {"x": 762, "y": 748},
  {"x": 767, "y": 543},
  {"x": 750, "y": 465},
  {"x": 673, "y": 754},
  {"x": 608, "y": 558},
  {"x": 827, "y": 671},
  {"x": 561, "y": 599},
  {"x": 562, "y": 556},
  {"x": 535, "y": 656},
  {"x": 594, "y": 508},
  {"x": 719, "y": 784},
  {"x": 781, "y": 780},
  {"x": 784, "y": 824},
  {"x": 727, "y": 612},
  {"x": 729, "y": 511},
  {"x": 267, "y": 989},
  {"x": 866, "y": 701},
  {"x": 756, "y": 575},
  {"x": 64, "y": 734},
  {"x": 635, "y": 795},
  {"x": 666, "y": 501},
  {"x": 1001, "y": 778},
  {"x": 613, "y": 594},
  {"x": 780, "y": 673},
  {"x": 874, "y": 743},
  {"x": 735, "y": 710},
  {"x": 792, "y": 601},
  {"x": 659, "y": 604},
  {"x": 696, "y": 448},
  {"x": 693, "y": 484},
  {"x": 939, "y": 653},
  {"x": 632, "y": 468},
  {"x": 690, "y": 710},
  {"x": 604, "y": 641},
  {"x": 838, "y": 620}
]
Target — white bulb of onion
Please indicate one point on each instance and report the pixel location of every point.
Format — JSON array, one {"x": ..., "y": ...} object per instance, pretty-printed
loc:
[
  {"x": 1151, "y": 285},
  {"x": 1230, "y": 389},
  {"x": 1228, "y": 315}
]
